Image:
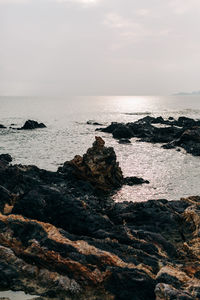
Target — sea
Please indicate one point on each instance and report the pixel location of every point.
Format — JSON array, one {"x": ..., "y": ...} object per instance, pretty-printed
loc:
[{"x": 171, "y": 174}]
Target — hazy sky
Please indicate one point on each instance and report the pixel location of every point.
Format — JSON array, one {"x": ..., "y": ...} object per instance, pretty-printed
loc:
[{"x": 99, "y": 47}]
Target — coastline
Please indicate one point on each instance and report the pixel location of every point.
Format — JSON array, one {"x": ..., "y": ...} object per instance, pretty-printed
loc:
[{"x": 64, "y": 238}]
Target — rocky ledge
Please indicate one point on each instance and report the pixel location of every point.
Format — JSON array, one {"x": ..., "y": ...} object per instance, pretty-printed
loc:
[
  {"x": 184, "y": 132},
  {"x": 63, "y": 237}
]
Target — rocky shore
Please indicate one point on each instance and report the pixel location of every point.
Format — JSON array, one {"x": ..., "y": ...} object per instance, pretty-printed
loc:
[
  {"x": 184, "y": 132},
  {"x": 63, "y": 237},
  {"x": 28, "y": 125}
]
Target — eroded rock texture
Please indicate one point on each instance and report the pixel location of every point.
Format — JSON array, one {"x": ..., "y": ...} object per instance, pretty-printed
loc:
[
  {"x": 98, "y": 166},
  {"x": 184, "y": 132},
  {"x": 60, "y": 239}
]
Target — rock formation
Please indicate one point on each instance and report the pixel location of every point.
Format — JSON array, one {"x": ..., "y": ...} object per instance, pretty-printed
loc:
[
  {"x": 184, "y": 132},
  {"x": 31, "y": 124},
  {"x": 60, "y": 239},
  {"x": 98, "y": 166}
]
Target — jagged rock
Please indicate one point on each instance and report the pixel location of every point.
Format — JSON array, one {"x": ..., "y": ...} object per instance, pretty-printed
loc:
[
  {"x": 31, "y": 124},
  {"x": 184, "y": 132},
  {"x": 166, "y": 292},
  {"x": 98, "y": 166},
  {"x": 124, "y": 262},
  {"x": 63, "y": 240}
]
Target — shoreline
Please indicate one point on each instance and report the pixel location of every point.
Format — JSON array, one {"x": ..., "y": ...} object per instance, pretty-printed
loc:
[{"x": 63, "y": 237}]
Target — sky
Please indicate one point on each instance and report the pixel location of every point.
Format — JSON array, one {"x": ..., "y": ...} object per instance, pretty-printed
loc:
[{"x": 99, "y": 47}]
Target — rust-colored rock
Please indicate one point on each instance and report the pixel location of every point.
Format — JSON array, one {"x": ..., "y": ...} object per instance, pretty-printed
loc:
[{"x": 98, "y": 166}]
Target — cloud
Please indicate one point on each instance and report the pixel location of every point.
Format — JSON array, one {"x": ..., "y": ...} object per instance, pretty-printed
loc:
[{"x": 99, "y": 46}]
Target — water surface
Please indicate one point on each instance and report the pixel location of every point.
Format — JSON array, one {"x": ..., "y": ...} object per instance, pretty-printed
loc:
[{"x": 171, "y": 174}]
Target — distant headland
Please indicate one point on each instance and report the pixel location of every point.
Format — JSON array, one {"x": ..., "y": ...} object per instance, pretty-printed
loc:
[{"x": 193, "y": 93}]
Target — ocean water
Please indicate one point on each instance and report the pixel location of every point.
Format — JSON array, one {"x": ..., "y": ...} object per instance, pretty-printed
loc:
[{"x": 171, "y": 174}]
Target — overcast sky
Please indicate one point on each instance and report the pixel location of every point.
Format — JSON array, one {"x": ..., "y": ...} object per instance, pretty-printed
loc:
[{"x": 99, "y": 47}]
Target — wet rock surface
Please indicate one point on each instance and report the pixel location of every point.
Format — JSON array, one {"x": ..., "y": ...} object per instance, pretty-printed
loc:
[
  {"x": 184, "y": 132},
  {"x": 98, "y": 166},
  {"x": 62, "y": 238},
  {"x": 31, "y": 124}
]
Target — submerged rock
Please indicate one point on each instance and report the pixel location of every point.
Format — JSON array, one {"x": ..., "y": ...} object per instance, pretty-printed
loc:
[{"x": 31, "y": 124}]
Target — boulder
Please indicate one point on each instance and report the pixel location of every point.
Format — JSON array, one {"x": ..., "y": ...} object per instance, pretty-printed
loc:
[{"x": 31, "y": 124}]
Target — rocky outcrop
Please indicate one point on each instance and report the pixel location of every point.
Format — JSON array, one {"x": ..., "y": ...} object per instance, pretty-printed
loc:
[
  {"x": 190, "y": 140},
  {"x": 98, "y": 166},
  {"x": 62, "y": 239},
  {"x": 184, "y": 132},
  {"x": 31, "y": 124}
]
